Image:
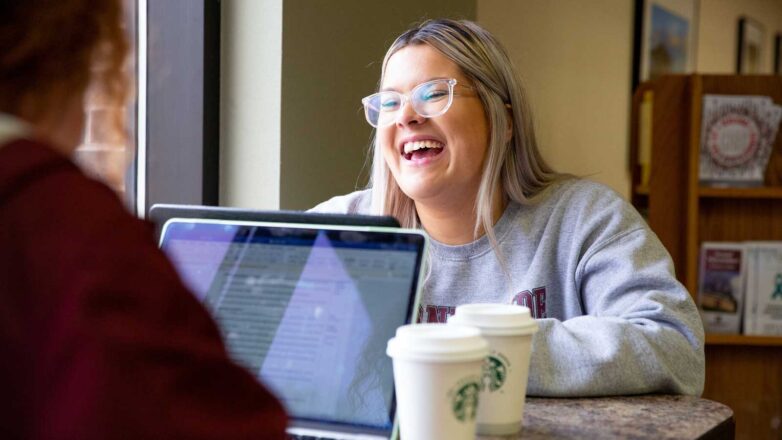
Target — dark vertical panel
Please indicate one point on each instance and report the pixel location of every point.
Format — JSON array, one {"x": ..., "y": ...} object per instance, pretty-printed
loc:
[
  {"x": 739, "y": 43},
  {"x": 182, "y": 101},
  {"x": 638, "y": 25},
  {"x": 211, "y": 109}
]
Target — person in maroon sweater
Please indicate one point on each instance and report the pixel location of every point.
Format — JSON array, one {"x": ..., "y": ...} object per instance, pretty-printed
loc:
[{"x": 99, "y": 338}]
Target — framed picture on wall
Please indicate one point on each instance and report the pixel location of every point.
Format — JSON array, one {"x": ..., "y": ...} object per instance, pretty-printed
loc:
[
  {"x": 665, "y": 38},
  {"x": 749, "y": 59},
  {"x": 778, "y": 54}
]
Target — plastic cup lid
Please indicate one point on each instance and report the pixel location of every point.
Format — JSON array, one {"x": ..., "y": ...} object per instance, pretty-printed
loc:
[
  {"x": 438, "y": 343},
  {"x": 496, "y": 319}
]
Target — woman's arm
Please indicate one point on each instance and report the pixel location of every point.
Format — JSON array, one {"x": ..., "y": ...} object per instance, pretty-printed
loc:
[{"x": 641, "y": 332}]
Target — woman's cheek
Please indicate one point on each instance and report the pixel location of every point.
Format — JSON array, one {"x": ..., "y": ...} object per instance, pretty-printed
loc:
[{"x": 389, "y": 153}]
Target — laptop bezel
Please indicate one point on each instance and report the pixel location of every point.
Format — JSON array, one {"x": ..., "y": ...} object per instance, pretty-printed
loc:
[{"x": 160, "y": 213}]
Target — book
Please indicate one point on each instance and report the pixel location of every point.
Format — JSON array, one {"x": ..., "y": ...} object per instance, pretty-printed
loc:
[
  {"x": 737, "y": 137},
  {"x": 645, "y": 136},
  {"x": 763, "y": 315},
  {"x": 721, "y": 286},
  {"x": 750, "y": 306}
]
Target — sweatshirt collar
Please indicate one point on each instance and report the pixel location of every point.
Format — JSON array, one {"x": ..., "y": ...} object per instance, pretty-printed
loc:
[{"x": 481, "y": 245}]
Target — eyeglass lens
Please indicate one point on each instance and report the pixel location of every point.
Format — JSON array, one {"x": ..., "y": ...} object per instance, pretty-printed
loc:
[{"x": 429, "y": 99}]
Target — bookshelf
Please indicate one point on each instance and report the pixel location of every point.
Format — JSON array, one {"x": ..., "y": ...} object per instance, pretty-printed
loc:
[{"x": 743, "y": 372}]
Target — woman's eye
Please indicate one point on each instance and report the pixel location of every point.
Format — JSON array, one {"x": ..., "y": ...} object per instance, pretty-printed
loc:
[
  {"x": 389, "y": 104},
  {"x": 431, "y": 95}
]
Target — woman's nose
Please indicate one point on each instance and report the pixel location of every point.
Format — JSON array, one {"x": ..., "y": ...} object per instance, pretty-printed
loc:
[{"x": 407, "y": 115}]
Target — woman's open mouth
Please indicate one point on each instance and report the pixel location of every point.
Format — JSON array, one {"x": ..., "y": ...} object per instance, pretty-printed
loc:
[{"x": 420, "y": 150}]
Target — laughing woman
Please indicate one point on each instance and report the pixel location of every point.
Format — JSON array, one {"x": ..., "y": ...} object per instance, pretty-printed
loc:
[{"x": 455, "y": 154}]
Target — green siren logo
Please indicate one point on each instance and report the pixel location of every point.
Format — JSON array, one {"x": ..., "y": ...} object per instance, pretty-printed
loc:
[
  {"x": 495, "y": 371},
  {"x": 465, "y": 401}
]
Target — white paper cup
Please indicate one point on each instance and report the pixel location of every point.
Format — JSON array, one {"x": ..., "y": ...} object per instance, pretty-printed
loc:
[
  {"x": 437, "y": 371},
  {"x": 508, "y": 329}
]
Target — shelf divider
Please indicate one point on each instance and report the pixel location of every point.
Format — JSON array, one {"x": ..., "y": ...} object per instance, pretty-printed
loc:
[
  {"x": 765, "y": 192},
  {"x": 726, "y": 339}
]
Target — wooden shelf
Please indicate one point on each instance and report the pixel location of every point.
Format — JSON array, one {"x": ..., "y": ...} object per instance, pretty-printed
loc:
[
  {"x": 725, "y": 339},
  {"x": 766, "y": 192}
]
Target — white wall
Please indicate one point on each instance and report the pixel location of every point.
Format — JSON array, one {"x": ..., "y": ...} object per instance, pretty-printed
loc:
[
  {"x": 574, "y": 58},
  {"x": 250, "y": 99}
]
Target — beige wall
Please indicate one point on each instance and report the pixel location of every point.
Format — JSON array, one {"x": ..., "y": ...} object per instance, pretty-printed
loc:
[
  {"x": 574, "y": 57},
  {"x": 718, "y": 29}
]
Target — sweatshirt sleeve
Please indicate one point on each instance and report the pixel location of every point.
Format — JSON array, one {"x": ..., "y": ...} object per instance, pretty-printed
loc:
[{"x": 641, "y": 331}]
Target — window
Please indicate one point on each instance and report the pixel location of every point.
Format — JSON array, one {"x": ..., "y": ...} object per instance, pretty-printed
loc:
[{"x": 171, "y": 151}]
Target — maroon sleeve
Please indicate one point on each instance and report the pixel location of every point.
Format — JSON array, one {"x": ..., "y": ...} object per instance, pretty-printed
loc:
[{"x": 117, "y": 347}]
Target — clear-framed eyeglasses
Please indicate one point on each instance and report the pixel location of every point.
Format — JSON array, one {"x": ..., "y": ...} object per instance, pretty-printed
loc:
[{"x": 429, "y": 99}]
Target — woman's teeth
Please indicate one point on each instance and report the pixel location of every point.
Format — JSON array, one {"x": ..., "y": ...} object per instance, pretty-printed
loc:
[
  {"x": 420, "y": 145},
  {"x": 422, "y": 149}
]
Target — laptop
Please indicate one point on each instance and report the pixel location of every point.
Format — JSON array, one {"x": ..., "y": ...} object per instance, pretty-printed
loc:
[
  {"x": 308, "y": 309},
  {"x": 160, "y": 213}
]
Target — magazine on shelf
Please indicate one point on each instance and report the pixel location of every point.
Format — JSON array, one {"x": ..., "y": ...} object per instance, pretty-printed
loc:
[
  {"x": 763, "y": 313},
  {"x": 720, "y": 286},
  {"x": 737, "y": 138}
]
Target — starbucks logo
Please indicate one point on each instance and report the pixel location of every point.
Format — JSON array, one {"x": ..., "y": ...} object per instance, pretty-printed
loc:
[
  {"x": 495, "y": 371},
  {"x": 465, "y": 402},
  {"x": 778, "y": 289}
]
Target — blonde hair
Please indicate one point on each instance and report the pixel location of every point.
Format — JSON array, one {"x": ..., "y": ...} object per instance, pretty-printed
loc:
[{"x": 515, "y": 165}]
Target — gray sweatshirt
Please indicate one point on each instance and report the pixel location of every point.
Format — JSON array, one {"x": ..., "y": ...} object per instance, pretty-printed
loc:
[{"x": 613, "y": 318}]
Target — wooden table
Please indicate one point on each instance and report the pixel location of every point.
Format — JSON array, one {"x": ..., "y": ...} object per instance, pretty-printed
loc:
[{"x": 636, "y": 417}]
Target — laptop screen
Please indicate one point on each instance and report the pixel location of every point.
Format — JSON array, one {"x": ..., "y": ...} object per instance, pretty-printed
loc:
[{"x": 308, "y": 310}]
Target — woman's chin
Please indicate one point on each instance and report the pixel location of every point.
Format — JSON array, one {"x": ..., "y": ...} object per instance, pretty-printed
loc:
[{"x": 419, "y": 192}]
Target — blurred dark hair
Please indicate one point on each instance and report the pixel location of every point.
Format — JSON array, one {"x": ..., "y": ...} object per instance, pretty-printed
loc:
[{"x": 53, "y": 49}]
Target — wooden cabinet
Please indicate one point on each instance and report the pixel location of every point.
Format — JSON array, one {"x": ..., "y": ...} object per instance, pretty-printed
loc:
[{"x": 742, "y": 372}]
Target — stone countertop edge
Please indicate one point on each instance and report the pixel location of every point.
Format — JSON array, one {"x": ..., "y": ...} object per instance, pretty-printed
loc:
[{"x": 639, "y": 417}]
